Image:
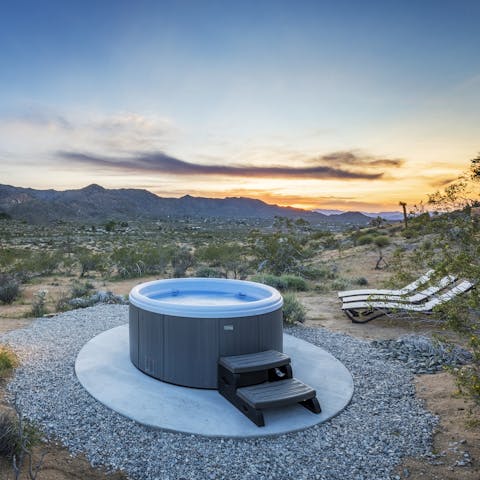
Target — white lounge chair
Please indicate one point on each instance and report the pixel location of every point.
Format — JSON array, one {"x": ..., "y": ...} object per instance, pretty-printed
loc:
[
  {"x": 362, "y": 312},
  {"x": 415, "y": 298},
  {"x": 411, "y": 287}
]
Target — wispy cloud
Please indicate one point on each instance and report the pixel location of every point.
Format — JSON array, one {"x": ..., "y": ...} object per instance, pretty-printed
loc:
[
  {"x": 160, "y": 162},
  {"x": 359, "y": 160}
]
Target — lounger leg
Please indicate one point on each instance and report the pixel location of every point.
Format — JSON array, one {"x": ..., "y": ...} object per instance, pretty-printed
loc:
[
  {"x": 358, "y": 317},
  {"x": 312, "y": 404}
]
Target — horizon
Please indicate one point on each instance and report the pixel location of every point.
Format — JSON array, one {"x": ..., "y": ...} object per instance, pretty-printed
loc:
[
  {"x": 315, "y": 106},
  {"x": 324, "y": 211}
]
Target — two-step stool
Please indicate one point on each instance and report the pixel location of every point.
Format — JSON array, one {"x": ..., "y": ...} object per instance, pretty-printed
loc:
[{"x": 256, "y": 381}]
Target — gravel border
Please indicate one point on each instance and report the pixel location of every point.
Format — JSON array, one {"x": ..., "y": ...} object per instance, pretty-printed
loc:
[{"x": 383, "y": 423}]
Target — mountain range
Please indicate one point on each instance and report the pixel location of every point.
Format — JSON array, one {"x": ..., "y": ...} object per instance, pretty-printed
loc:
[{"x": 96, "y": 204}]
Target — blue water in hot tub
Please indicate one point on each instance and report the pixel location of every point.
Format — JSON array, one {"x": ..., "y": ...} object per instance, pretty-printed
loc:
[{"x": 199, "y": 297}]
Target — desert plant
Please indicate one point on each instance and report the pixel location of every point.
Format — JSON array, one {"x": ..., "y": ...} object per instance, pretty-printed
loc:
[
  {"x": 362, "y": 281},
  {"x": 9, "y": 288},
  {"x": 38, "y": 305},
  {"x": 229, "y": 257},
  {"x": 381, "y": 241},
  {"x": 89, "y": 261},
  {"x": 8, "y": 361},
  {"x": 456, "y": 232},
  {"x": 81, "y": 289},
  {"x": 282, "y": 282},
  {"x": 25, "y": 438},
  {"x": 365, "y": 239},
  {"x": 208, "y": 272},
  {"x": 293, "y": 310},
  {"x": 9, "y": 441},
  {"x": 182, "y": 260},
  {"x": 277, "y": 253}
]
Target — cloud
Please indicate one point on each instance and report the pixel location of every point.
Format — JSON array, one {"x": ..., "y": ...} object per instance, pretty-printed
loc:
[
  {"x": 351, "y": 158},
  {"x": 159, "y": 162}
]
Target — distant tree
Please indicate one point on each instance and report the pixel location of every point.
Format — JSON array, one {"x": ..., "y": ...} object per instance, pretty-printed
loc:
[
  {"x": 405, "y": 216},
  {"x": 181, "y": 261},
  {"x": 228, "y": 257},
  {"x": 277, "y": 253}
]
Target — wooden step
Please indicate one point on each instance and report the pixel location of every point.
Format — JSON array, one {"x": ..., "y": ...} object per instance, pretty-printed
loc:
[
  {"x": 276, "y": 394},
  {"x": 253, "y": 362}
]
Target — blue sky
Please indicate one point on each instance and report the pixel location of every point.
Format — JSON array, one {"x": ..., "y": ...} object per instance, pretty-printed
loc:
[{"x": 380, "y": 99}]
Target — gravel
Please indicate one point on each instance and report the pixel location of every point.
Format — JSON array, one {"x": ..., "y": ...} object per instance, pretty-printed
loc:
[
  {"x": 422, "y": 354},
  {"x": 383, "y": 423}
]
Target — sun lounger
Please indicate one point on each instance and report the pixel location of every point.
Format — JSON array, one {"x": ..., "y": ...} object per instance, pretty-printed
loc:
[
  {"x": 403, "y": 291},
  {"x": 362, "y": 312},
  {"x": 415, "y": 298}
]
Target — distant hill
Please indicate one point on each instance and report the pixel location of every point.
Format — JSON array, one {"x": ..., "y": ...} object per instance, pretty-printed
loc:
[
  {"x": 96, "y": 204},
  {"x": 393, "y": 216}
]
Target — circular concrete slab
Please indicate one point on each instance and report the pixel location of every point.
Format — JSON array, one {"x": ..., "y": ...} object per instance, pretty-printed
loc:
[{"x": 103, "y": 367}]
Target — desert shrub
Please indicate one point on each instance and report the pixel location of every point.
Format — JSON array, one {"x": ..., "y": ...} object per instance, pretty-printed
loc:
[
  {"x": 181, "y": 261},
  {"x": 381, "y": 241},
  {"x": 362, "y": 281},
  {"x": 293, "y": 310},
  {"x": 9, "y": 288},
  {"x": 365, "y": 239},
  {"x": 339, "y": 284},
  {"x": 89, "y": 261},
  {"x": 317, "y": 273},
  {"x": 141, "y": 259},
  {"x": 8, "y": 360},
  {"x": 277, "y": 253},
  {"x": 81, "y": 289},
  {"x": 295, "y": 283},
  {"x": 38, "y": 305},
  {"x": 208, "y": 272},
  {"x": 40, "y": 263},
  {"x": 282, "y": 282},
  {"x": 230, "y": 257},
  {"x": 427, "y": 245},
  {"x": 9, "y": 438}
]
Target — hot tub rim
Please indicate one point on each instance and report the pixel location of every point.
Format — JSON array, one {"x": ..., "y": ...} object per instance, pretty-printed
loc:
[{"x": 272, "y": 302}]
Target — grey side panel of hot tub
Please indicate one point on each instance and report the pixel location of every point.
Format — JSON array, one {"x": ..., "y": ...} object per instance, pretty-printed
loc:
[
  {"x": 190, "y": 351},
  {"x": 151, "y": 338},
  {"x": 133, "y": 334},
  {"x": 270, "y": 331},
  {"x": 185, "y": 351},
  {"x": 238, "y": 335}
]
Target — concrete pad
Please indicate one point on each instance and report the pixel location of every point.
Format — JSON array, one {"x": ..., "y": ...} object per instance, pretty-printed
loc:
[{"x": 103, "y": 367}]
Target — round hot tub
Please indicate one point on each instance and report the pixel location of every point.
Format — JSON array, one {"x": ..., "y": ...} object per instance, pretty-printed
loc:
[{"x": 180, "y": 327}]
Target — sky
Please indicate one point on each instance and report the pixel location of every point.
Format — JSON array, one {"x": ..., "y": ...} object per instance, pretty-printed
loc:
[{"x": 314, "y": 104}]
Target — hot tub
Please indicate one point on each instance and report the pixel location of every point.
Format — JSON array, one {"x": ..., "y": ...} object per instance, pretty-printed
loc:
[{"x": 180, "y": 327}]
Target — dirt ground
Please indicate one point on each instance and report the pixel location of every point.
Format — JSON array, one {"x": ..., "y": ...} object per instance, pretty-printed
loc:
[{"x": 456, "y": 442}]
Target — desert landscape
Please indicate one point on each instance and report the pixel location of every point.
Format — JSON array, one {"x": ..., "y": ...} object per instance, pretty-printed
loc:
[
  {"x": 239, "y": 240},
  {"x": 330, "y": 261}
]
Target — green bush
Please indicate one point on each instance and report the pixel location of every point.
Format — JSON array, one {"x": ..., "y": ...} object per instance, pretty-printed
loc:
[
  {"x": 295, "y": 283},
  {"x": 81, "y": 289},
  {"x": 282, "y": 282},
  {"x": 208, "y": 272},
  {"x": 8, "y": 361},
  {"x": 293, "y": 310},
  {"x": 362, "y": 281},
  {"x": 9, "y": 288},
  {"x": 365, "y": 239},
  {"x": 381, "y": 241},
  {"x": 141, "y": 259},
  {"x": 38, "y": 305}
]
